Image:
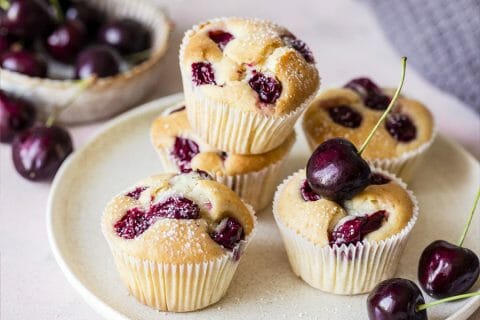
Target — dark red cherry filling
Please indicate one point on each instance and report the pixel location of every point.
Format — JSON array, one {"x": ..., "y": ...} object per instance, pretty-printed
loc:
[
  {"x": 345, "y": 116},
  {"x": 228, "y": 233},
  {"x": 401, "y": 127},
  {"x": 202, "y": 73},
  {"x": 177, "y": 110},
  {"x": 268, "y": 88},
  {"x": 378, "y": 178},
  {"x": 175, "y": 208},
  {"x": 354, "y": 230},
  {"x": 300, "y": 46},
  {"x": 132, "y": 224},
  {"x": 136, "y": 193},
  {"x": 372, "y": 95},
  {"x": 307, "y": 193},
  {"x": 220, "y": 37},
  {"x": 183, "y": 152},
  {"x": 223, "y": 155}
]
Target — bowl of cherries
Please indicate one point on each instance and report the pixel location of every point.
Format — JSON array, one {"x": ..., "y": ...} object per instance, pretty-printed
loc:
[{"x": 48, "y": 46}]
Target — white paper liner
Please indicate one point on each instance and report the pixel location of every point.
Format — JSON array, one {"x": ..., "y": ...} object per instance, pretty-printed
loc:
[
  {"x": 180, "y": 287},
  {"x": 346, "y": 270},
  {"x": 403, "y": 166},
  {"x": 229, "y": 129},
  {"x": 255, "y": 188}
]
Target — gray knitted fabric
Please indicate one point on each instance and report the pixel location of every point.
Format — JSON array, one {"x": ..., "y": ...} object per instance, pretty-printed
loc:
[{"x": 441, "y": 39}]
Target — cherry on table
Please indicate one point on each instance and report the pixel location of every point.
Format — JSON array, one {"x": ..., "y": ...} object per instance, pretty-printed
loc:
[
  {"x": 24, "y": 62},
  {"x": 99, "y": 61},
  {"x": 336, "y": 171},
  {"x": 16, "y": 115},
  {"x": 39, "y": 151},
  {"x": 120, "y": 33},
  {"x": 66, "y": 41}
]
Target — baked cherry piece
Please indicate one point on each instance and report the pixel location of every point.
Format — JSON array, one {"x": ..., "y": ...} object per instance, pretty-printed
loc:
[
  {"x": 132, "y": 224},
  {"x": 24, "y": 62},
  {"x": 396, "y": 299},
  {"x": 38, "y": 152},
  {"x": 99, "y": 61},
  {"x": 136, "y": 193},
  {"x": 28, "y": 19},
  {"x": 345, "y": 116},
  {"x": 220, "y": 37},
  {"x": 292, "y": 41},
  {"x": 125, "y": 35},
  {"x": 16, "y": 115},
  {"x": 202, "y": 73},
  {"x": 66, "y": 41},
  {"x": 175, "y": 208},
  {"x": 89, "y": 16},
  {"x": 446, "y": 269},
  {"x": 268, "y": 88},
  {"x": 228, "y": 233},
  {"x": 355, "y": 229},
  {"x": 372, "y": 95},
  {"x": 183, "y": 152},
  {"x": 307, "y": 192},
  {"x": 378, "y": 178},
  {"x": 401, "y": 127},
  {"x": 336, "y": 171}
]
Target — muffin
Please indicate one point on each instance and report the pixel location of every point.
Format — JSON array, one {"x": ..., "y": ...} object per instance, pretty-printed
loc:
[
  {"x": 253, "y": 177},
  {"x": 177, "y": 238},
  {"x": 352, "y": 111},
  {"x": 345, "y": 248},
  {"x": 246, "y": 82}
]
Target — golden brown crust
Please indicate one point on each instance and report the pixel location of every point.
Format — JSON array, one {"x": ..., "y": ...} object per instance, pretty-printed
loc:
[
  {"x": 319, "y": 127},
  {"x": 177, "y": 240},
  {"x": 314, "y": 220},
  {"x": 257, "y": 45},
  {"x": 165, "y": 128}
]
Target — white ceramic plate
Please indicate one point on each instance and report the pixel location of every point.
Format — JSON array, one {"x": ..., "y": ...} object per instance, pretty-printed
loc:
[{"x": 264, "y": 287}]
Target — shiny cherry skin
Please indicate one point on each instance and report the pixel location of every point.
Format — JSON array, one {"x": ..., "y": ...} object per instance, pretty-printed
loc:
[
  {"x": 336, "y": 171},
  {"x": 100, "y": 61},
  {"x": 28, "y": 19},
  {"x": 446, "y": 269},
  {"x": 16, "y": 115},
  {"x": 5, "y": 43},
  {"x": 120, "y": 34},
  {"x": 395, "y": 299},
  {"x": 86, "y": 14},
  {"x": 24, "y": 62},
  {"x": 38, "y": 152},
  {"x": 66, "y": 41}
]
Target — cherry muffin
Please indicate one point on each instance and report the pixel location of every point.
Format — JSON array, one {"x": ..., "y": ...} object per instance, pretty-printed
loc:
[
  {"x": 246, "y": 82},
  {"x": 345, "y": 247},
  {"x": 177, "y": 238},
  {"x": 253, "y": 177},
  {"x": 352, "y": 111}
]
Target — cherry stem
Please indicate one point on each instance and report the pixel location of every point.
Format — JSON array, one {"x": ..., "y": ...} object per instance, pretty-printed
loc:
[
  {"x": 469, "y": 221},
  {"x": 138, "y": 56},
  {"x": 58, "y": 10},
  {"x": 4, "y": 4},
  {"x": 424, "y": 306},
  {"x": 387, "y": 111},
  {"x": 82, "y": 86}
]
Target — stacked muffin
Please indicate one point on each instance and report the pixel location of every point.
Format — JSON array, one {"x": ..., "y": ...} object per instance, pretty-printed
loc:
[{"x": 246, "y": 82}]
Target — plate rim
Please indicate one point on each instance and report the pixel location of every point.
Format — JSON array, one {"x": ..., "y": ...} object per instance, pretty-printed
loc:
[{"x": 98, "y": 305}]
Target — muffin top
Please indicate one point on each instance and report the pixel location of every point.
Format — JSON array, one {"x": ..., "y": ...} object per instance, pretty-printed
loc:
[
  {"x": 177, "y": 218},
  {"x": 173, "y": 132},
  {"x": 253, "y": 65},
  {"x": 352, "y": 112},
  {"x": 380, "y": 211}
]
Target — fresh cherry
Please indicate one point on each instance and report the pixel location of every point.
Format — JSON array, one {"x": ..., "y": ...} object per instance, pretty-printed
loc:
[
  {"x": 175, "y": 208},
  {"x": 372, "y": 95},
  {"x": 345, "y": 116},
  {"x": 396, "y": 299},
  {"x": 24, "y": 62},
  {"x": 268, "y": 88},
  {"x": 401, "y": 127},
  {"x": 202, "y": 73},
  {"x": 16, "y": 115},
  {"x": 292, "y": 41},
  {"x": 355, "y": 229},
  {"x": 378, "y": 178},
  {"x": 5, "y": 43},
  {"x": 99, "y": 61},
  {"x": 228, "y": 233},
  {"x": 336, "y": 171},
  {"x": 39, "y": 151},
  {"x": 66, "y": 41},
  {"x": 307, "y": 192},
  {"x": 89, "y": 16},
  {"x": 221, "y": 38},
  {"x": 183, "y": 152},
  {"x": 126, "y": 35}
]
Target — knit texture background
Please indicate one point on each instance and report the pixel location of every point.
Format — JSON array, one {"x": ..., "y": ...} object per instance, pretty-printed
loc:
[{"x": 441, "y": 38}]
